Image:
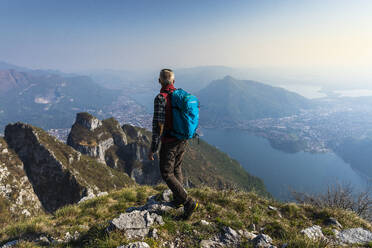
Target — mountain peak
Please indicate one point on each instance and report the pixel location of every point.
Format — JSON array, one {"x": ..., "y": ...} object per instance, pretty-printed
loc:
[
  {"x": 87, "y": 120},
  {"x": 228, "y": 78}
]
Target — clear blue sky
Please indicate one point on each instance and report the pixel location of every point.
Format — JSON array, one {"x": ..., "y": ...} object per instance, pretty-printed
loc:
[{"x": 91, "y": 34}]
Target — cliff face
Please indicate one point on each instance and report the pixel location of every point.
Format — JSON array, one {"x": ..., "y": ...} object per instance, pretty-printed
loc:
[
  {"x": 17, "y": 196},
  {"x": 124, "y": 149},
  {"x": 59, "y": 174},
  {"x": 135, "y": 153}
]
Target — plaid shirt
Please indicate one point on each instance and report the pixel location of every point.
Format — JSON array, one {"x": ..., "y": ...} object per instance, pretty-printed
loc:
[{"x": 159, "y": 117}]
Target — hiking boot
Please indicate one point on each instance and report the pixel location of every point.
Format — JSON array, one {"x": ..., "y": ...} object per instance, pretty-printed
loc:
[{"x": 189, "y": 209}]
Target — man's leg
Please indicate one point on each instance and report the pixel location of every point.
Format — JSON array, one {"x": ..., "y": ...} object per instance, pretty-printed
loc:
[
  {"x": 178, "y": 161},
  {"x": 168, "y": 155}
]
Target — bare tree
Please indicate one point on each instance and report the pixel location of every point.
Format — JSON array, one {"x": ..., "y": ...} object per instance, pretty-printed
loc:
[{"x": 340, "y": 196}]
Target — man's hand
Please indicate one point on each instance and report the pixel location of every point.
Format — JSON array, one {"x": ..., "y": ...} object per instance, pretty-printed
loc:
[{"x": 151, "y": 156}]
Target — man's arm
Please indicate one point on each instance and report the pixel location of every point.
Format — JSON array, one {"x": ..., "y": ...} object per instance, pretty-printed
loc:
[{"x": 157, "y": 124}]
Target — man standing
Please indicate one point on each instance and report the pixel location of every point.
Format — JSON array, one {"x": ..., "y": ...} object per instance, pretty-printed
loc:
[{"x": 172, "y": 149}]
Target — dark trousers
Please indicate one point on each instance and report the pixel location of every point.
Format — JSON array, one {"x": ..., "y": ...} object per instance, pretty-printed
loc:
[{"x": 171, "y": 156}]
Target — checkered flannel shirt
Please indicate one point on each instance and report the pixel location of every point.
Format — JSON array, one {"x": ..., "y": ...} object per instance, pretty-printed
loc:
[{"x": 159, "y": 117}]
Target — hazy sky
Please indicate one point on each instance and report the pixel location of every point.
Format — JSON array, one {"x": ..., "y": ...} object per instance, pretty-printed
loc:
[{"x": 87, "y": 34}]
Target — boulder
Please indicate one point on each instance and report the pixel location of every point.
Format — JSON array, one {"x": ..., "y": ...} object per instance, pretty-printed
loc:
[
  {"x": 354, "y": 236},
  {"x": 153, "y": 206},
  {"x": 204, "y": 223},
  {"x": 227, "y": 238},
  {"x": 136, "y": 224},
  {"x": 263, "y": 241},
  {"x": 211, "y": 244},
  {"x": 135, "y": 245},
  {"x": 313, "y": 232}
]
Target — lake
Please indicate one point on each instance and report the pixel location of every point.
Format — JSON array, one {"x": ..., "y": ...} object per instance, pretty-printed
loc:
[{"x": 302, "y": 171}]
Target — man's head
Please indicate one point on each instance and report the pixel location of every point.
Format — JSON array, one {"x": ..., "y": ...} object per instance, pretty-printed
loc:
[{"x": 166, "y": 77}]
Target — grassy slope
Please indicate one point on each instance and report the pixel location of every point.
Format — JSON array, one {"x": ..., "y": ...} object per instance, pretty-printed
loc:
[{"x": 236, "y": 209}]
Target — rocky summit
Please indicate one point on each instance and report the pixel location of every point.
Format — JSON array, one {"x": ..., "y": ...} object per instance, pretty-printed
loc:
[
  {"x": 59, "y": 175},
  {"x": 122, "y": 148}
]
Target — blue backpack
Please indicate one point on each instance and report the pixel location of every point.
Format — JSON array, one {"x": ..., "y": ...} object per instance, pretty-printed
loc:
[{"x": 185, "y": 111}]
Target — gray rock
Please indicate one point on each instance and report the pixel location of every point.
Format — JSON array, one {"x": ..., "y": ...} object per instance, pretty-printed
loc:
[
  {"x": 354, "y": 236},
  {"x": 313, "y": 232},
  {"x": 276, "y": 210},
  {"x": 247, "y": 235},
  {"x": 211, "y": 244},
  {"x": 88, "y": 121},
  {"x": 333, "y": 221},
  {"x": 91, "y": 195},
  {"x": 136, "y": 224},
  {"x": 135, "y": 245},
  {"x": 204, "y": 223},
  {"x": 69, "y": 237},
  {"x": 166, "y": 195},
  {"x": 272, "y": 208},
  {"x": 88, "y": 197},
  {"x": 153, "y": 233},
  {"x": 263, "y": 241},
  {"x": 228, "y": 237},
  {"x": 153, "y": 206}
]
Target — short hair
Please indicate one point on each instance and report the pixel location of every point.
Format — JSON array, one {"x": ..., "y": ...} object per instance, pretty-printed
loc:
[{"x": 166, "y": 76}]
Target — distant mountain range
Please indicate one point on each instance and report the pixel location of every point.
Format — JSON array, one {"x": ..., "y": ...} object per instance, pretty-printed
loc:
[
  {"x": 231, "y": 101},
  {"x": 49, "y": 100}
]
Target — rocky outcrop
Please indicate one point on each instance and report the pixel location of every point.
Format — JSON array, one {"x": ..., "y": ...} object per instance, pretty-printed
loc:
[
  {"x": 231, "y": 238},
  {"x": 135, "y": 245},
  {"x": 343, "y": 237},
  {"x": 59, "y": 174},
  {"x": 122, "y": 148},
  {"x": 88, "y": 121},
  {"x": 93, "y": 137},
  {"x": 313, "y": 232},
  {"x": 54, "y": 184},
  {"x": 136, "y": 224},
  {"x": 353, "y": 236},
  {"x": 139, "y": 168}
]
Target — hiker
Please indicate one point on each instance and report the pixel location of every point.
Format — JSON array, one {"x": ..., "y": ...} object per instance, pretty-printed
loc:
[{"x": 172, "y": 148}]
